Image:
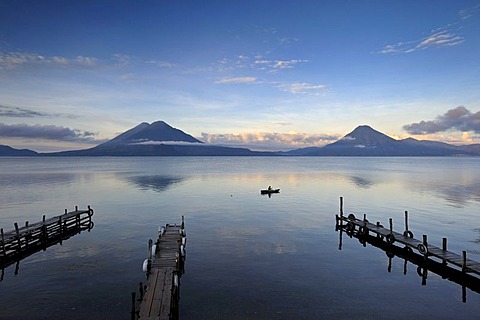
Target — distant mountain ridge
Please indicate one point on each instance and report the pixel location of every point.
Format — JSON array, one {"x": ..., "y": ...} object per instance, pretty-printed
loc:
[
  {"x": 366, "y": 141},
  {"x": 158, "y": 131},
  {"x": 160, "y": 139},
  {"x": 7, "y": 151}
]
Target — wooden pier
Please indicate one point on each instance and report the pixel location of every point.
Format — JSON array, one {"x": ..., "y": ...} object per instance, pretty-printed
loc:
[
  {"x": 354, "y": 226},
  {"x": 21, "y": 242},
  {"x": 159, "y": 298},
  {"x": 423, "y": 266}
]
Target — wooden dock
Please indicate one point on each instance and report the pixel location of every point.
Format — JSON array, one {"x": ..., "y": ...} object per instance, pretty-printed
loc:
[
  {"x": 159, "y": 298},
  {"x": 423, "y": 266},
  {"x": 355, "y": 226},
  {"x": 21, "y": 242}
]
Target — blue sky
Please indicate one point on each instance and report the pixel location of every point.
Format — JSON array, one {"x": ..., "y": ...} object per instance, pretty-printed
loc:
[{"x": 268, "y": 75}]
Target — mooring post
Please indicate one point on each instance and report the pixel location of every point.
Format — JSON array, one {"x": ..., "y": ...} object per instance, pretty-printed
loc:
[
  {"x": 444, "y": 248},
  {"x": 341, "y": 207},
  {"x": 425, "y": 243},
  {"x": 406, "y": 220},
  {"x": 391, "y": 225},
  {"x": 150, "y": 244},
  {"x": 18, "y": 236},
  {"x": 3, "y": 243},
  {"x": 132, "y": 312},
  {"x": 464, "y": 294},
  {"x": 140, "y": 291},
  {"x": 464, "y": 261},
  {"x": 65, "y": 211},
  {"x": 27, "y": 235}
]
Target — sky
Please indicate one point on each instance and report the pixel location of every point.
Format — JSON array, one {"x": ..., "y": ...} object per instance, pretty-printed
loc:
[{"x": 263, "y": 74}]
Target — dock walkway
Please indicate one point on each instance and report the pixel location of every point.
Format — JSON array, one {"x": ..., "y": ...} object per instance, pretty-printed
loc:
[
  {"x": 17, "y": 242},
  {"x": 160, "y": 296},
  {"x": 364, "y": 227}
]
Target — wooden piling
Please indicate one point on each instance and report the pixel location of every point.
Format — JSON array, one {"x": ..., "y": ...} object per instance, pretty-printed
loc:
[{"x": 406, "y": 221}]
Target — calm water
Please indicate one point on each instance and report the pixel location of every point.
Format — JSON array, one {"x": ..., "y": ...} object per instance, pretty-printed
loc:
[{"x": 248, "y": 256}]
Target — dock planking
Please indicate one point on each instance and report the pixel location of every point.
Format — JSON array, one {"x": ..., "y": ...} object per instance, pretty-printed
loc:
[
  {"x": 23, "y": 241},
  {"x": 364, "y": 227},
  {"x": 160, "y": 296},
  {"x": 424, "y": 266}
]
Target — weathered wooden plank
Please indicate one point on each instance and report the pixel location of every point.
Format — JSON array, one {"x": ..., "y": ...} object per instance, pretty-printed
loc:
[
  {"x": 159, "y": 295},
  {"x": 433, "y": 250}
]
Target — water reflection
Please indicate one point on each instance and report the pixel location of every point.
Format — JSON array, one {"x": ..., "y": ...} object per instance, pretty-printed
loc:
[
  {"x": 360, "y": 182},
  {"x": 423, "y": 266},
  {"x": 22, "y": 180},
  {"x": 157, "y": 183}
]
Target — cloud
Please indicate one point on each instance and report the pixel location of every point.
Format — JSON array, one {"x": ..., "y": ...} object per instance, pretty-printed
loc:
[
  {"x": 274, "y": 65},
  {"x": 269, "y": 141},
  {"x": 459, "y": 118},
  {"x": 11, "y": 60},
  {"x": 49, "y": 132},
  {"x": 236, "y": 80},
  {"x": 442, "y": 38},
  {"x": 304, "y": 88},
  {"x": 16, "y": 112}
]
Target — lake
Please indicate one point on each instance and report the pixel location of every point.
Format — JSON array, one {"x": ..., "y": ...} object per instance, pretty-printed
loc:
[{"x": 248, "y": 256}]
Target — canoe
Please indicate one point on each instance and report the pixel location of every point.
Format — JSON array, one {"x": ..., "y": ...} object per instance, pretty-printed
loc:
[{"x": 268, "y": 191}]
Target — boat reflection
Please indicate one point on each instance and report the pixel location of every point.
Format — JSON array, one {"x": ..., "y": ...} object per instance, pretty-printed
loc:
[{"x": 423, "y": 266}]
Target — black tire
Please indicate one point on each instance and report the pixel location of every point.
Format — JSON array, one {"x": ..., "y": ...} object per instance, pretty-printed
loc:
[
  {"x": 408, "y": 234},
  {"x": 422, "y": 249},
  {"x": 390, "y": 238}
]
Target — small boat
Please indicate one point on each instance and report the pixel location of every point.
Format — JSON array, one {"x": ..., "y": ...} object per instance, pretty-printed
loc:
[{"x": 269, "y": 191}]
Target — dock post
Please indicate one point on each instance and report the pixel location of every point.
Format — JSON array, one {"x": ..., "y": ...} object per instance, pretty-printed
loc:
[
  {"x": 391, "y": 225},
  {"x": 132, "y": 312},
  {"x": 18, "y": 236},
  {"x": 3, "y": 243},
  {"x": 464, "y": 294},
  {"x": 406, "y": 220},
  {"x": 425, "y": 243},
  {"x": 341, "y": 207},
  {"x": 464, "y": 261},
  {"x": 444, "y": 248},
  {"x": 140, "y": 291},
  {"x": 27, "y": 235}
]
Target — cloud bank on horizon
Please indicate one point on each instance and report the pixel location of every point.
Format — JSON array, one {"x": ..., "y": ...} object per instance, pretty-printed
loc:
[{"x": 263, "y": 75}]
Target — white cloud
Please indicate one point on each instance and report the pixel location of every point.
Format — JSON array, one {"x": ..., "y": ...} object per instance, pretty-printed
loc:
[
  {"x": 11, "y": 60},
  {"x": 304, "y": 88},
  {"x": 236, "y": 80},
  {"x": 270, "y": 140},
  {"x": 86, "y": 61}
]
